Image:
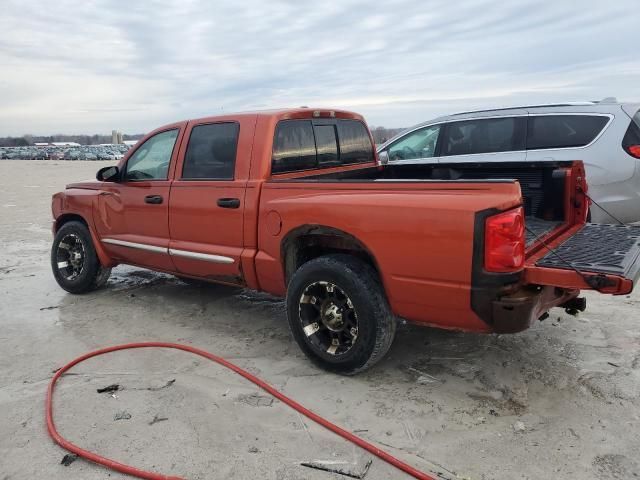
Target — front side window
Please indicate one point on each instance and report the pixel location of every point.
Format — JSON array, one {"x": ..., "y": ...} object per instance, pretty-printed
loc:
[
  {"x": 418, "y": 144},
  {"x": 211, "y": 152},
  {"x": 563, "y": 131},
  {"x": 151, "y": 160},
  {"x": 490, "y": 135}
]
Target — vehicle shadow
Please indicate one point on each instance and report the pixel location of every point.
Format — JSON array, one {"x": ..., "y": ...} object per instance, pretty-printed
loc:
[{"x": 492, "y": 371}]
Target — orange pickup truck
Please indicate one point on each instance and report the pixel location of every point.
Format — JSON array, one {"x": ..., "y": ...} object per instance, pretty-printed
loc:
[{"x": 294, "y": 203}]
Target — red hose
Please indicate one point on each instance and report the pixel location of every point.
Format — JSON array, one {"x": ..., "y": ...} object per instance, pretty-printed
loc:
[{"x": 265, "y": 386}]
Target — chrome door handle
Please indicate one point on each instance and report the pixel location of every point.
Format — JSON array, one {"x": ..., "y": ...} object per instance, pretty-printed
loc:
[
  {"x": 229, "y": 202},
  {"x": 153, "y": 199}
]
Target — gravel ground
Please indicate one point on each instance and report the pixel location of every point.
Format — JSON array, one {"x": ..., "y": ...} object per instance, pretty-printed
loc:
[{"x": 558, "y": 401}]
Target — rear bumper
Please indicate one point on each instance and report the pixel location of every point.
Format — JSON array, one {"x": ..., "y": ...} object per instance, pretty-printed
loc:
[{"x": 518, "y": 311}]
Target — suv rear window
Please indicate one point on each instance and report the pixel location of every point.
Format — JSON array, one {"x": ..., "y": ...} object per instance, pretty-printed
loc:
[
  {"x": 308, "y": 144},
  {"x": 484, "y": 136},
  {"x": 563, "y": 131}
]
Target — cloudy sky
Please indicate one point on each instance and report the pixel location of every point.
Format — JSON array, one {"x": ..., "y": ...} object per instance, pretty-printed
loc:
[{"x": 96, "y": 65}]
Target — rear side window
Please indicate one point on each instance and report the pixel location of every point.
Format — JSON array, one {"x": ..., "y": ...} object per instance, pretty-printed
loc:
[
  {"x": 563, "y": 131},
  {"x": 308, "y": 144},
  {"x": 484, "y": 136},
  {"x": 211, "y": 152}
]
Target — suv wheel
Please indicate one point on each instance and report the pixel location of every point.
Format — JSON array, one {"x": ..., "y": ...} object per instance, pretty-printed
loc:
[
  {"x": 338, "y": 314},
  {"x": 74, "y": 262}
]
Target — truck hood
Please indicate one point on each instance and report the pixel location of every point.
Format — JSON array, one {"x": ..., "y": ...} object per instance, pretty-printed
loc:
[{"x": 85, "y": 184}]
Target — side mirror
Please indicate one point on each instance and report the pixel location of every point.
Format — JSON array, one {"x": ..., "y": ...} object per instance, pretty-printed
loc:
[
  {"x": 108, "y": 174},
  {"x": 383, "y": 157}
]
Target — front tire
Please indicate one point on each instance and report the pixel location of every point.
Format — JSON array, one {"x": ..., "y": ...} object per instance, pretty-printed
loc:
[
  {"x": 74, "y": 261},
  {"x": 338, "y": 314}
]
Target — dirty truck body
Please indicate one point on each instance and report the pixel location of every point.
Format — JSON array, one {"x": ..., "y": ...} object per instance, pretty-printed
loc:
[{"x": 294, "y": 203}]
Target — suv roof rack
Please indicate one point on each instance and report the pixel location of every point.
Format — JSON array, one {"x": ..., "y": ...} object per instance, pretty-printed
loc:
[
  {"x": 567, "y": 104},
  {"x": 607, "y": 100}
]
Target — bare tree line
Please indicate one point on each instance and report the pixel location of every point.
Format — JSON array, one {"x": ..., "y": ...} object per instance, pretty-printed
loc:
[
  {"x": 27, "y": 140},
  {"x": 380, "y": 135}
]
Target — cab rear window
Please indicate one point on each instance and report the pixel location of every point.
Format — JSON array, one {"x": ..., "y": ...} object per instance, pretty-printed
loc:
[
  {"x": 563, "y": 131},
  {"x": 309, "y": 144}
]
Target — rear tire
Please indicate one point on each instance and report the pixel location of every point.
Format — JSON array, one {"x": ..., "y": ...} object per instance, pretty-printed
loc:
[
  {"x": 74, "y": 261},
  {"x": 338, "y": 314}
]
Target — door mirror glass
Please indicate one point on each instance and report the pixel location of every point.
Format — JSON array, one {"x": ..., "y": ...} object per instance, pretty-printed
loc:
[
  {"x": 108, "y": 174},
  {"x": 383, "y": 157}
]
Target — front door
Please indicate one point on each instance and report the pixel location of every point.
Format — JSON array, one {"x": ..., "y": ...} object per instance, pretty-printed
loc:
[
  {"x": 132, "y": 217},
  {"x": 207, "y": 200}
]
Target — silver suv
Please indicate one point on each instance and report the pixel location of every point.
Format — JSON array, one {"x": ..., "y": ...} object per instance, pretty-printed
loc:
[{"x": 605, "y": 135}]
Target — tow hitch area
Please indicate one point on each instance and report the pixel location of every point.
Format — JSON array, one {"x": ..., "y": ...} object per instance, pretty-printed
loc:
[{"x": 607, "y": 250}]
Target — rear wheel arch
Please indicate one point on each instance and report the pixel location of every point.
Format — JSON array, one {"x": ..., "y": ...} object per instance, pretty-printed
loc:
[{"x": 308, "y": 242}]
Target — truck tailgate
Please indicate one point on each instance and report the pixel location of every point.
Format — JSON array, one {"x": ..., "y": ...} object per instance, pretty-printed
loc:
[{"x": 607, "y": 257}]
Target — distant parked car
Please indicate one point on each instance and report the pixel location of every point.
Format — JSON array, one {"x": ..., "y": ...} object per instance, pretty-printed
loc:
[
  {"x": 604, "y": 135},
  {"x": 102, "y": 155}
]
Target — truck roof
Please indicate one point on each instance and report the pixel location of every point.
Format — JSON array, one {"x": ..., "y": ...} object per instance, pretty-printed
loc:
[{"x": 285, "y": 113}]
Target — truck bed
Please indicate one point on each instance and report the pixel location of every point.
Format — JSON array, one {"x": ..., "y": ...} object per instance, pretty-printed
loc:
[
  {"x": 542, "y": 186},
  {"x": 537, "y": 228}
]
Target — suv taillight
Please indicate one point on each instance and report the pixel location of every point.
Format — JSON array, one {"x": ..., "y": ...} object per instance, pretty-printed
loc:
[
  {"x": 634, "y": 150},
  {"x": 631, "y": 140},
  {"x": 504, "y": 241}
]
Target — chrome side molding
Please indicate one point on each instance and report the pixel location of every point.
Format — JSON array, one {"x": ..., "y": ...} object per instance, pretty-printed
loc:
[
  {"x": 201, "y": 256},
  {"x": 139, "y": 246},
  {"x": 207, "y": 257}
]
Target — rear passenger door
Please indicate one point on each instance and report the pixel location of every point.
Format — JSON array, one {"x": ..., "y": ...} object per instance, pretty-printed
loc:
[
  {"x": 481, "y": 140},
  {"x": 206, "y": 204},
  {"x": 571, "y": 137}
]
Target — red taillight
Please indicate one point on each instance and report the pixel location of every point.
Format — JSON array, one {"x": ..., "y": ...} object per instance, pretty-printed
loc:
[
  {"x": 504, "y": 241},
  {"x": 634, "y": 150}
]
